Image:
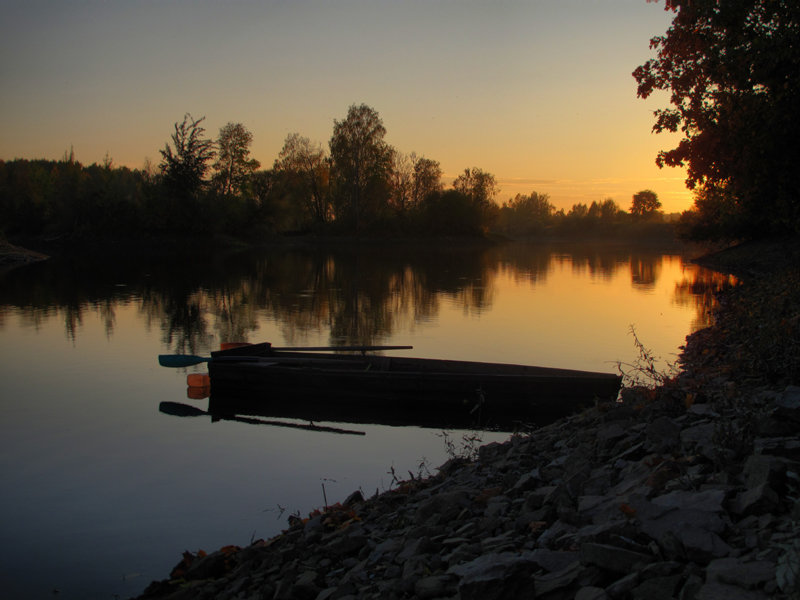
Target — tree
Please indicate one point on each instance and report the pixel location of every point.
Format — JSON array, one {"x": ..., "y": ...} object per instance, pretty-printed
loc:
[
  {"x": 526, "y": 214},
  {"x": 610, "y": 210},
  {"x": 427, "y": 180},
  {"x": 361, "y": 163},
  {"x": 306, "y": 174},
  {"x": 185, "y": 167},
  {"x": 477, "y": 184},
  {"x": 234, "y": 164},
  {"x": 732, "y": 71},
  {"x": 481, "y": 188},
  {"x": 402, "y": 178},
  {"x": 645, "y": 204}
]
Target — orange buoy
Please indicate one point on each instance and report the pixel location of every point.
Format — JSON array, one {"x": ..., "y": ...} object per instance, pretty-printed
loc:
[
  {"x": 198, "y": 393},
  {"x": 198, "y": 380}
]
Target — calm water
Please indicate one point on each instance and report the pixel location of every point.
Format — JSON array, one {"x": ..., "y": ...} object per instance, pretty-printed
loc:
[{"x": 102, "y": 491}]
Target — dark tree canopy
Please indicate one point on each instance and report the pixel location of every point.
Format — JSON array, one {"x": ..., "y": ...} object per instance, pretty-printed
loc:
[
  {"x": 645, "y": 204},
  {"x": 732, "y": 72},
  {"x": 185, "y": 167},
  {"x": 234, "y": 165},
  {"x": 361, "y": 163}
]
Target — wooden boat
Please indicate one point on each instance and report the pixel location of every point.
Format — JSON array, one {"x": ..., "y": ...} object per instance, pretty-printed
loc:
[{"x": 261, "y": 373}]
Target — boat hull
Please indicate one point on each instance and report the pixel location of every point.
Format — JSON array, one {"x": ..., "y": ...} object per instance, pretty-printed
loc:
[{"x": 407, "y": 385}]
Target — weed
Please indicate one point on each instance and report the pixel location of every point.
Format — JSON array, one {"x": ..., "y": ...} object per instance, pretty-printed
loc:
[
  {"x": 471, "y": 441},
  {"x": 645, "y": 370}
]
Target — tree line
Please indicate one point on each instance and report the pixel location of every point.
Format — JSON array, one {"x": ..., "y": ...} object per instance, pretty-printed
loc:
[{"x": 360, "y": 185}]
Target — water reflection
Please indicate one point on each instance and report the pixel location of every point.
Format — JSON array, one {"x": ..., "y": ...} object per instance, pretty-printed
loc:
[{"x": 358, "y": 295}]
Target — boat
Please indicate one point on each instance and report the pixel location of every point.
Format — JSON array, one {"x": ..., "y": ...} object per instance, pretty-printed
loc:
[{"x": 327, "y": 382}]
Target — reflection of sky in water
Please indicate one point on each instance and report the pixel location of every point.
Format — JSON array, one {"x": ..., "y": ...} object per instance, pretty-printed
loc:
[{"x": 99, "y": 486}]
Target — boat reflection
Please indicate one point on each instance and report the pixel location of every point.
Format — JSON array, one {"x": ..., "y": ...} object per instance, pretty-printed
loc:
[
  {"x": 308, "y": 412},
  {"x": 176, "y": 409}
]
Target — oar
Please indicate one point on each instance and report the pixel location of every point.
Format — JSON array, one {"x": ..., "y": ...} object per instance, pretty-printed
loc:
[
  {"x": 183, "y": 410},
  {"x": 181, "y": 360},
  {"x": 187, "y": 360}
]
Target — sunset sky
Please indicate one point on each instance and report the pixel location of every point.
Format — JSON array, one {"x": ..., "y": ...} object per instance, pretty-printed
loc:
[{"x": 537, "y": 92}]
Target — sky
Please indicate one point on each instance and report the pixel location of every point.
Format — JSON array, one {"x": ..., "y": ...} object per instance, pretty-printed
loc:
[{"x": 539, "y": 93}]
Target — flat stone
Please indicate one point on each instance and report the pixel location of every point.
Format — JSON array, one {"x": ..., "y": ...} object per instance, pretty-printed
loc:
[
  {"x": 613, "y": 558},
  {"x": 553, "y": 560},
  {"x": 733, "y": 571},
  {"x": 494, "y": 576},
  {"x": 699, "y": 437},
  {"x": 707, "y": 500},
  {"x": 657, "y": 588},
  {"x": 591, "y": 593},
  {"x": 434, "y": 586},
  {"x": 663, "y": 435},
  {"x": 558, "y": 579},
  {"x": 760, "y": 469},
  {"x": 446, "y": 505},
  {"x": 759, "y": 499},
  {"x": 720, "y": 591}
]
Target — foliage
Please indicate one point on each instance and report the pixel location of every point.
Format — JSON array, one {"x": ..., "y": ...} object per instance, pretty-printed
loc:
[
  {"x": 234, "y": 165},
  {"x": 648, "y": 370},
  {"x": 363, "y": 186},
  {"x": 645, "y": 204},
  {"x": 717, "y": 215},
  {"x": 361, "y": 163},
  {"x": 304, "y": 170},
  {"x": 185, "y": 167},
  {"x": 732, "y": 72},
  {"x": 526, "y": 214}
]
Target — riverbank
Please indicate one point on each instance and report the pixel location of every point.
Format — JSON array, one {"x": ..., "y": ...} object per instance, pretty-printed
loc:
[{"x": 685, "y": 490}]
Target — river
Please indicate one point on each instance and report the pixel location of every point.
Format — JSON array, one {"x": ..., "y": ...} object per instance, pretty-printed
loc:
[{"x": 102, "y": 491}]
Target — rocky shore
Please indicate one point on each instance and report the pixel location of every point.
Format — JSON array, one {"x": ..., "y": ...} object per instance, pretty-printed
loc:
[{"x": 686, "y": 489}]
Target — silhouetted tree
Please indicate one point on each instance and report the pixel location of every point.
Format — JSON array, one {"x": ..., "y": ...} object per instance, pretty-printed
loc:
[
  {"x": 185, "y": 167},
  {"x": 427, "y": 180},
  {"x": 305, "y": 172},
  {"x": 732, "y": 72},
  {"x": 526, "y": 214},
  {"x": 361, "y": 162},
  {"x": 233, "y": 165},
  {"x": 645, "y": 204}
]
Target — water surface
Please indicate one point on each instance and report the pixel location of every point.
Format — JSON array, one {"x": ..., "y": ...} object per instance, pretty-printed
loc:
[{"x": 102, "y": 491}]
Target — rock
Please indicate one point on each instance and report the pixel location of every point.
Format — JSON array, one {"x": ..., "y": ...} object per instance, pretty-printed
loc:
[
  {"x": 663, "y": 436},
  {"x": 591, "y": 593},
  {"x": 355, "y": 498},
  {"x": 495, "y": 576},
  {"x": 682, "y": 527},
  {"x": 720, "y": 591},
  {"x": 621, "y": 587},
  {"x": 444, "y": 506},
  {"x": 762, "y": 469},
  {"x": 759, "y": 499},
  {"x": 553, "y": 560},
  {"x": 435, "y": 586},
  {"x": 557, "y": 580},
  {"x": 733, "y": 571},
  {"x": 788, "y": 404},
  {"x": 613, "y": 558},
  {"x": 657, "y": 588},
  {"x": 699, "y": 438}
]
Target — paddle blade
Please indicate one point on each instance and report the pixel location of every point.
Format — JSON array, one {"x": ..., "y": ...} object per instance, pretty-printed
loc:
[
  {"x": 180, "y": 360},
  {"x": 180, "y": 410}
]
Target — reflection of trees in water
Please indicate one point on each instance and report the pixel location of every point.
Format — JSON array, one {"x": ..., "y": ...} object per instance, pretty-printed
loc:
[
  {"x": 699, "y": 288},
  {"x": 358, "y": 294}
]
